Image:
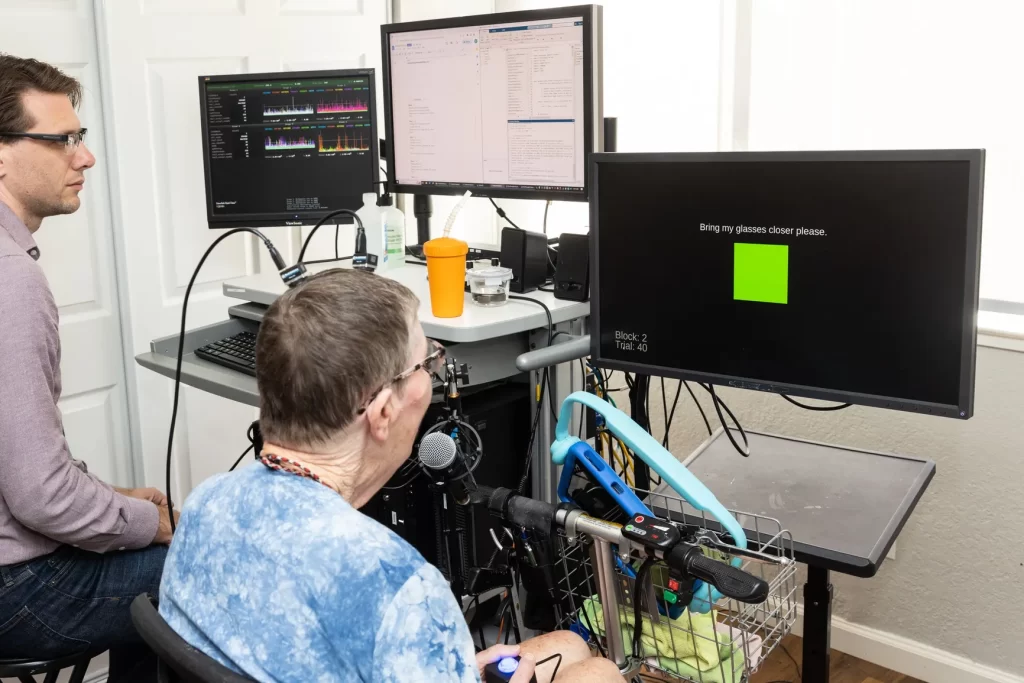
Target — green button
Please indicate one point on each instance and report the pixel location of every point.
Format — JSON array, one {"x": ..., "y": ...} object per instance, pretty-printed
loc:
[
  {"x": 629, "y": 527},
  {"x": 671, "y": 598}
]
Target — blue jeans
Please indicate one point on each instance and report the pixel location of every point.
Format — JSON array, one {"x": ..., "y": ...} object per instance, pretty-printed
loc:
[{"x": 73, "y": 600}]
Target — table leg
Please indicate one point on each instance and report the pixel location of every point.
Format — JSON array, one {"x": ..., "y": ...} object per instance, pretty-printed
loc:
[
  {"x": 638, "y": 412},
  {"x": 817, "y": 625}
]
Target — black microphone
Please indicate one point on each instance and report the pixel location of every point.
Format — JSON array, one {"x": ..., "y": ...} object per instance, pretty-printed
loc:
[{"x": 440, "y": 455}]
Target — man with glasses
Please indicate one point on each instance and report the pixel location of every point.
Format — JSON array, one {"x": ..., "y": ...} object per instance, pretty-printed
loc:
[{"x": 74, "y": 551}]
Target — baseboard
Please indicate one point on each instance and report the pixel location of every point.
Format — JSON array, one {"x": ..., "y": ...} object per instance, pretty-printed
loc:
[
  {"x": 906, "y": 656},
  {"x": 96, "y": 677}
]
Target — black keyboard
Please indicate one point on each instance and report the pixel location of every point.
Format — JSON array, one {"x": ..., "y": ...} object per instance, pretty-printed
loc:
[{"x": 237, "y": 352}]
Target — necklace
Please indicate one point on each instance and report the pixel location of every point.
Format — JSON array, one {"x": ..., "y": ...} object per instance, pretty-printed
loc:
[{"x": 280, "y": 463}]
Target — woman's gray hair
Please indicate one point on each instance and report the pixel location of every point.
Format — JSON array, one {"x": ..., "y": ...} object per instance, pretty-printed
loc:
[{"x": 324, "y": 347}]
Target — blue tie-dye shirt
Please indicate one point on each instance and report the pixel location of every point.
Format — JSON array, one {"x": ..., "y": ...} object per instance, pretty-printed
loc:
[{"x": 278, "y": 577}]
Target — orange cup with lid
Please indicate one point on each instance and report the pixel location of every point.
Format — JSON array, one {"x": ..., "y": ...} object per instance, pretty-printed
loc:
[{"x": 446, "y": 273}]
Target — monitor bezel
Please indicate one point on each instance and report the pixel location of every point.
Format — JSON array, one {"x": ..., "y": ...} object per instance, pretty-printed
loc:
[
  {"x": 592, "y": 106},
  {"x": 283, "y": 218},
  {"x": 964, "y": 408}
]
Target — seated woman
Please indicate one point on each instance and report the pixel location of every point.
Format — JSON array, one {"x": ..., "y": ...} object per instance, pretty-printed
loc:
[{"x": 274, "y": 572}]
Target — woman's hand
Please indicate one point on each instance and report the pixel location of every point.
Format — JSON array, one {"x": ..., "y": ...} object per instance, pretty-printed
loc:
[{"x": 492, "y": 654}]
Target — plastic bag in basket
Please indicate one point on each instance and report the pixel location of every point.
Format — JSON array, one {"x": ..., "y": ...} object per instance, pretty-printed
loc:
[{"x": 689, "y": 646}]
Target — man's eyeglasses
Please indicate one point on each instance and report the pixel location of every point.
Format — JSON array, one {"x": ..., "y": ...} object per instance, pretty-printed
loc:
[
  {"x": 71, "y": 140},
  {"x": 432, "y": 364}
]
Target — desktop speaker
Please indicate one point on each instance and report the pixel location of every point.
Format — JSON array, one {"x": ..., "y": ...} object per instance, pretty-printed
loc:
[
  {"x": 572, "y": 273},
  {"x": 526, "y": 253}
]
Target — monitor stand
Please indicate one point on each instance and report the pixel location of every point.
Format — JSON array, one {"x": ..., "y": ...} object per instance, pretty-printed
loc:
[
  {"x": 423, "y": 209},
  {"x": 844, "y": 507}
]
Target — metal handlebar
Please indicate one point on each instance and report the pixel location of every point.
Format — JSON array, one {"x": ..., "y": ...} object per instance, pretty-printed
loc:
[{"x": 558, "y": 352}]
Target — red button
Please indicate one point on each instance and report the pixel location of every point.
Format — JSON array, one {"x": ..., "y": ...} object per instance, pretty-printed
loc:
[
  {"x": 673, "y": 585},
  {"x": 639, "y": 519},
  {"x": 654, "y": 536}
]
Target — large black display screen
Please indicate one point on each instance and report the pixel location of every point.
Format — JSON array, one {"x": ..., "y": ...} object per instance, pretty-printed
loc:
[{"x": 843, "y": 275}]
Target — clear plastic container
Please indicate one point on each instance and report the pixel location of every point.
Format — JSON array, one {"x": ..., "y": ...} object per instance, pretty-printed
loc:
[{"x": 489, "y": 286}]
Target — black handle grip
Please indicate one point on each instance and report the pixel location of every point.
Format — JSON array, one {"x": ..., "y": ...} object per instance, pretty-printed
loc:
[
  {"x": 519, "y": 510},
  {"x": 530, "y": 513},
  {"x": 731, "y": 581},
  {"x": 482, "y": 494}
]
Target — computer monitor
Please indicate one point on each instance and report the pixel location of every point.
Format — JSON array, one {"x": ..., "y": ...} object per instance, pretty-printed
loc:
[
  {"x": 287, "y": 148},
  {"x": 850, "y": 276},
  {"x": 505, "y": 105}
]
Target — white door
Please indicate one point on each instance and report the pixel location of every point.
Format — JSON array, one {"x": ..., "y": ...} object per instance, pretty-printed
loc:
[
  {"x": 77, "y": 250},
  {"x": 154, "y": 52}
]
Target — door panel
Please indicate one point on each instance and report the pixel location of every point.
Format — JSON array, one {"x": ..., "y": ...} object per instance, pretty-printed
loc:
[{"x": 155, "y": 51}]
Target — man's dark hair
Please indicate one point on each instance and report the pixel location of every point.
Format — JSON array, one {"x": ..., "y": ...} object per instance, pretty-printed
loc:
[
  {"x": 324, "y": 348},
  {"x": 19, "y": 76}
]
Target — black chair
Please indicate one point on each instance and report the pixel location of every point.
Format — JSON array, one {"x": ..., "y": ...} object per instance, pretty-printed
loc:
[
  {"x": 179, "y": 662},
  {"x": 24, "y": 669}
]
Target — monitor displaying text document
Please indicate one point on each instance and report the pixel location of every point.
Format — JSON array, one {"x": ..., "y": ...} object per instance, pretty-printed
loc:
[{"x": 490, "y": 106}]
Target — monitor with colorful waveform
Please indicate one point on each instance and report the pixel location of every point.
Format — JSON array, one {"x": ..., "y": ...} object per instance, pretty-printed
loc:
[{"x": 287, "y": 148}]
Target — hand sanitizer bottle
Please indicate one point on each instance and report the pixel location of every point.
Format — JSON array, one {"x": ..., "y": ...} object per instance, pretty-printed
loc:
[
  {"x": 369, "y": 214},
  {"x": 393, "y": 221}
]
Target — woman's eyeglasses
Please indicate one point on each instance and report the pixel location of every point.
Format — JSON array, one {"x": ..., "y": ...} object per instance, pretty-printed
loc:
[
  {"x": 71, "y": 140},
  {"x": 433, "y": 364}
]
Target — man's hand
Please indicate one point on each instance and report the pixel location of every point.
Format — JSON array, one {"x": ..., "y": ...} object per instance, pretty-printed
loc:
[
  {"x": 163, "y": 530},
  {"x": 152, "y": 495},
  {"x": 492, "y": 654},
  {"x": 155, "y": 496}
]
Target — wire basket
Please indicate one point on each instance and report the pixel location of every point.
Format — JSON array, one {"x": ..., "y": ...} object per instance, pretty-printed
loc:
[{"x": 727, "y": 644}]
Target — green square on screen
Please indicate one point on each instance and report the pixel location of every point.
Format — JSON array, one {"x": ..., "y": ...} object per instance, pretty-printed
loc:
[{"x": 761, "y": 273}]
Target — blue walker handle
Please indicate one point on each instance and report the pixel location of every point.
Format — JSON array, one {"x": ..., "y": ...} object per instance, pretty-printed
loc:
[{"x": 566, "y": 449}]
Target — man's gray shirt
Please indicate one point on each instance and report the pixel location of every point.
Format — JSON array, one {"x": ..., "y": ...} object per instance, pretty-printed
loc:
[{"x": 46, "y": 498}]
